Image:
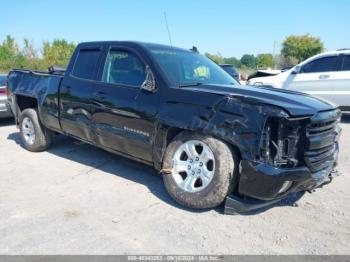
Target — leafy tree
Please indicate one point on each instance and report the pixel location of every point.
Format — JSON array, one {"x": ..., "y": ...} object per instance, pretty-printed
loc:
[
  {"x": 29, "y": 50},
  {"x": 58, "y": 52},
  {"x": 245, "y": 72},
  {"x": 232, "y": 61},
  {"x": 248, "y": 61},
  {"x": 8, "y": 52},
  {"x": 216, "y": 58},
  {"x": 28, "y": 57},
  {"x": 264, "y": 60},
  {"x": 282, "y": 62},
  {"x": 10, "y": 44},
  {"x": 301, "y": 47}
]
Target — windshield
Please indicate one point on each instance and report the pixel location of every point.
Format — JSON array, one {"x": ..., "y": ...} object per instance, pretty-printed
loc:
[
  {"x": 2, "y": 80},
  {"x": 183, "y": 68}
]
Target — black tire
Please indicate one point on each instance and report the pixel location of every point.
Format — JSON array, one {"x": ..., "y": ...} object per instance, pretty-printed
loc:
[
  {"x": 224, "y": 178},
  {"x": 43, "y": 136}
]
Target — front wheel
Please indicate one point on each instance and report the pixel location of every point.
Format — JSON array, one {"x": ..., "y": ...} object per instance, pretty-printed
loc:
[
  {"x": 203, "y": 170},
  {"x": 34, "y": 136}
]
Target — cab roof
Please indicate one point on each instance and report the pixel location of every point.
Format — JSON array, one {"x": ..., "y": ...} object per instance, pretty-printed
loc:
[{"x": 134, "y": 43}]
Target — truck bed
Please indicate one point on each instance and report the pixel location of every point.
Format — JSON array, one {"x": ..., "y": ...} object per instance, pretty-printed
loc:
[
  {"x": 31, "y": 83},
  {"x": 41, "y": 86}
]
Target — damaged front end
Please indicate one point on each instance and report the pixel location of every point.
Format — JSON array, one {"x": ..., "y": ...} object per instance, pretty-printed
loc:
[
  {"x": 295, "y": 154},
  {"x": 280, "y": 142}
]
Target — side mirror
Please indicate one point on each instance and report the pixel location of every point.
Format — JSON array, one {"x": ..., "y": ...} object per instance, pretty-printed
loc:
[
  {"x": 150, "y": 83},
  {"x": 296, "y": 70}
]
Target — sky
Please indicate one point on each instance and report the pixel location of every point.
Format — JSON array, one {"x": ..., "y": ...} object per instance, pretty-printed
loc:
[{"x": 228, "y": 27}]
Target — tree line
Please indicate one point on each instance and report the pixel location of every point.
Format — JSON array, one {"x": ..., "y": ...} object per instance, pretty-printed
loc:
[
  {"x": 58, "y": 52},
  {"x": 295, "y": 49}
]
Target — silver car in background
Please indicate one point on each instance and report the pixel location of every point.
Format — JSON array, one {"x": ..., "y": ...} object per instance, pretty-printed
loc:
[{"x": 4, "y": 110}]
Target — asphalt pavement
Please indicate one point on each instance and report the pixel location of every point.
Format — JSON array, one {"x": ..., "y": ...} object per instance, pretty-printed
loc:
[{"x": 77, "y": 199}]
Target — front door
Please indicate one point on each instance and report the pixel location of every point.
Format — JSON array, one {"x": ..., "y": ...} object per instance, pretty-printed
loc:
[
  {"x": 117, "y": 117},
  {"x": 315, "y": 77}
]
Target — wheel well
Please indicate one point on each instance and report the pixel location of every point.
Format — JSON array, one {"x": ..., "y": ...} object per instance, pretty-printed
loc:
[
  {"x": 25, "y": 102},
  {"x": 234, "y": 148},
  {"x": 172, "y": 132}
]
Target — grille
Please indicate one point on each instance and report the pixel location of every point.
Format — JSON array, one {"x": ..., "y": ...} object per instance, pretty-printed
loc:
[{"x": 321, "y": 144}]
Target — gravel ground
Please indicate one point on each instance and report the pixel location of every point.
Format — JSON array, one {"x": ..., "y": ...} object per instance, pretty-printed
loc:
[{"x": 77, "y": 199}]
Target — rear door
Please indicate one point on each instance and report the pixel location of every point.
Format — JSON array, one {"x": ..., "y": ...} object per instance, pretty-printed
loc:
[
  {"x": 117, "y": 115},
  {"x": 76, "y": 93},
  {"x": 316, "y": 77},
  {"x": 341, "y": 94}
]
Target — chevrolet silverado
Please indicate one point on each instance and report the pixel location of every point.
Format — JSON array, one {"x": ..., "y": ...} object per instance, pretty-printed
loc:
[{"x": 176, "y": 110}]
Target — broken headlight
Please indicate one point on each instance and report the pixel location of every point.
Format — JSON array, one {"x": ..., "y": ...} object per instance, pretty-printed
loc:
[{"x": 280, "y": 142}]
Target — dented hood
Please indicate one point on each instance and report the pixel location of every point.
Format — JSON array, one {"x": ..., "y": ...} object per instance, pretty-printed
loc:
[{"x": 295, "y": 103}]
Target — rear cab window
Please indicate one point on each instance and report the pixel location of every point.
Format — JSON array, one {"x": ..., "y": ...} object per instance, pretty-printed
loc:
[{"x": 86, "y": 63}]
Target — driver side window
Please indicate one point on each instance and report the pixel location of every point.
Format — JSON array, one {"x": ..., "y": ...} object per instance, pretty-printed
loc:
[
  {"x": 123, "y": 68},
  {"x": 323, "y": 64}
]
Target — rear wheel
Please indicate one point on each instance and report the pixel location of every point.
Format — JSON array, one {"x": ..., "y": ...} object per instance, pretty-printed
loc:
[
  {"x": 34, "y": 136},
  {"x": 203, "y": 170}
]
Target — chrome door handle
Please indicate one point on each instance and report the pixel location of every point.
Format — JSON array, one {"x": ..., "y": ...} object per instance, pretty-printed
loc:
[{"x": 324, "y": 76}]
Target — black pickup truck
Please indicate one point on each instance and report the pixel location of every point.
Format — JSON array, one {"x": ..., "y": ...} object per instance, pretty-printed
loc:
[{"x": 176, "y": 110}]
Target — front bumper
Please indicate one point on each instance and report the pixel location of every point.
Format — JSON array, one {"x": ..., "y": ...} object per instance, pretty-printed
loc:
[
  {"x": 4, "y": 110},
  {"x": 264, "y": 182},
  {"x": 260, "y": 185}
]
